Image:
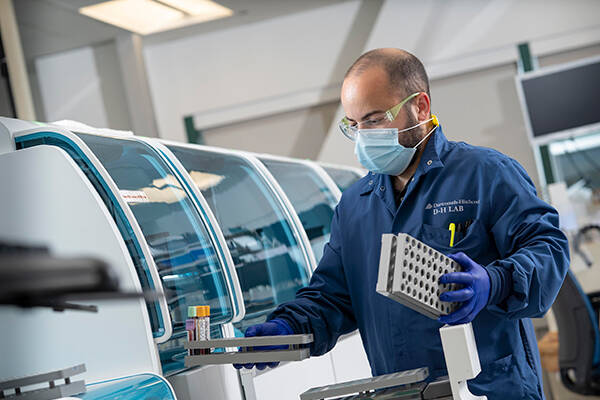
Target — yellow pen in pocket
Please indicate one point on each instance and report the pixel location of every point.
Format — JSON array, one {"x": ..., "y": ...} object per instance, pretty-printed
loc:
[{"x": 452, "y": 229}]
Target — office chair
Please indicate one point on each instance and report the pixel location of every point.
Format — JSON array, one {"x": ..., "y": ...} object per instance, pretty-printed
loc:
[{"x": 579, "y": 338}]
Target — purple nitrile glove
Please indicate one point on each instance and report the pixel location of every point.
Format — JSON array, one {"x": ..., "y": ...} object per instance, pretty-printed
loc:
[
  {"x": 274, "y": 327},
  {"x": 473, "y": 295}
]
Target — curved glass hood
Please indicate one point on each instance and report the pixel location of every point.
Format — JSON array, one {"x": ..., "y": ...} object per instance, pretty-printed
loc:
[
  {"x": 343, "y": 178},
  {"x": 174, "y": 233},
  {"x": 312, "y": 199},
  {"x": 269, "y": 260}
]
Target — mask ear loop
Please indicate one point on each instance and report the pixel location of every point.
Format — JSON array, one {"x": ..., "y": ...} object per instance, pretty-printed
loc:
[
  {"x": 414, "y": 126},
  {"x": 425, "y": 137}
]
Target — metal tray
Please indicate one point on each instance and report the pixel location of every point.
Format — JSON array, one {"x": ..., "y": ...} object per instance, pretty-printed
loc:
[
  {"x": 367, "y": 385},
  {"x": 251, "y": 350},
  {"x": 53, "y": 391}
]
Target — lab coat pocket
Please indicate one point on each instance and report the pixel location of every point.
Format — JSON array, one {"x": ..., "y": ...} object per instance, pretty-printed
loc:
[
  {"x": 473, "y": 242},
  {"x": 499, "y": 377},
  {"x": 436, "y": 237}
]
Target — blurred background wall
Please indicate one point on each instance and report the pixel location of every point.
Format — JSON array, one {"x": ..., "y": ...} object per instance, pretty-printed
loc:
[{"x": 268, "y": 78}]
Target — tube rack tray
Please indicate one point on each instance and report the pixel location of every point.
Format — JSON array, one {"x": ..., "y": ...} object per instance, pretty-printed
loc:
[
  {"x": 409, "y": 273},
  {"x": 296, "y": 350},
  {"x": 365, "y": 386},
  {"x": 53, "y": 391}
]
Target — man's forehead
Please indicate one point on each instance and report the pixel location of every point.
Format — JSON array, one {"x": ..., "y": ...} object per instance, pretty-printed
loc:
[
  {"x": 373, "y": 82},
  {"x": 372, "y": 77},
  {"x": 367, "y": 91}
]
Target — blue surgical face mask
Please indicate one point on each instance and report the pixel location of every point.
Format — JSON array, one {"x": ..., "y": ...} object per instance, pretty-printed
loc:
[{"x": 378, "y": 150}]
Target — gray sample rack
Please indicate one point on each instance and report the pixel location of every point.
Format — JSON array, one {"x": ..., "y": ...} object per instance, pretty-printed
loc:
[
  {"x": 364, "y": 387},
  {"x": 250, "y": 350},
  {"x": 53, "y": 391},
  {"x": 409, "y": 272}
]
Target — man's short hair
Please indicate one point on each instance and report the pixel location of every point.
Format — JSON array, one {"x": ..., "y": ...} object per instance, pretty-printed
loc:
[{"x": 405, "y": 71}]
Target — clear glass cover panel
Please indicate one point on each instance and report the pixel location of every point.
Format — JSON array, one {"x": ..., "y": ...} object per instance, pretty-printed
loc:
[
  {"x": 343, "y": 178},
  {"x": 311, "y": 198},
  {"x": 269, "y": 262},
  {"x": 180, "y": 244},
  {"x": 138, "y": 258}
]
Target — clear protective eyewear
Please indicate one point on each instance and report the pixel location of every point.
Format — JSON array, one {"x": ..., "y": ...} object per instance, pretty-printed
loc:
[{"x": 381, "y": 120}]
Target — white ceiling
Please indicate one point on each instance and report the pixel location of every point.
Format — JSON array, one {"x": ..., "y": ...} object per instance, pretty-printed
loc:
[{"x": 51, "y": 26}]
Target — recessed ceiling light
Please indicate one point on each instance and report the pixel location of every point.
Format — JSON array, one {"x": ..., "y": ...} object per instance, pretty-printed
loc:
[
  {"x": 201, "y": 8},
  {"x": 150, "y": 16}
]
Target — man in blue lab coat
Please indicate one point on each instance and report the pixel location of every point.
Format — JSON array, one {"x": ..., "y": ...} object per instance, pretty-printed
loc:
[{"x": 474, "y": 203}]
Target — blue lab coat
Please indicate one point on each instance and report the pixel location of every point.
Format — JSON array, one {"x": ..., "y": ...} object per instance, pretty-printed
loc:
[{"x": 512, "y": 233}]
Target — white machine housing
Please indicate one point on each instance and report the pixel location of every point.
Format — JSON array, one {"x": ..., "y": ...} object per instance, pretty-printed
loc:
[{"x": 49, "y": 201}]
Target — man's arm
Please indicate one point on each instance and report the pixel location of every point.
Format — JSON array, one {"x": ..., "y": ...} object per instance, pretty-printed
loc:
[
  {"x": 323, "y": 308},
  {"x": 534, "y": 251}
]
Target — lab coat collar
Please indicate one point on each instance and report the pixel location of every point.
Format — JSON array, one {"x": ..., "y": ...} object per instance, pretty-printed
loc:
[
  {"x": 370, "y": 181},
  {"x": 432, "y": 155},
  {"x": 430, "y": 159}
]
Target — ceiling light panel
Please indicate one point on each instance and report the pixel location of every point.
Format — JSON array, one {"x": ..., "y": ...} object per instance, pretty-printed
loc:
[
  {"x": 200, "y": 8},
  {"x": 150, "y": 16}
]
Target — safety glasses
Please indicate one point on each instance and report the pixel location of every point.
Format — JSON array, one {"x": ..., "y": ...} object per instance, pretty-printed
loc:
[{"x": 380, "y": 120}]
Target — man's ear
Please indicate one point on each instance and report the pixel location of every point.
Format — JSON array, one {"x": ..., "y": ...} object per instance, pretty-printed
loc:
[{"x": 423, "y": 106}]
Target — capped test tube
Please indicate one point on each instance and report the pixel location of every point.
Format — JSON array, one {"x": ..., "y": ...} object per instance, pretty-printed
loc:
[
  {"x": 202, "y": 326},
  {"x": 206, "y": 320},
  {"x": 190, "y": 326}
]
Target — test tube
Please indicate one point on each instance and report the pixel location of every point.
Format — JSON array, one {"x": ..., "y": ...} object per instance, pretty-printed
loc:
[
  {"x": 200, "y": 327},
  {"x": 203, "y": 326},
  {"x": 190, "y": 327},
  {"x": 206, "y": 322}
]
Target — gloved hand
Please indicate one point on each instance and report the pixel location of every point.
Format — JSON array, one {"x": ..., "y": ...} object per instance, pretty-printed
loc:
[
  {"x": 474, "y": 295},
  {"x": 270, "y": 328}
]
